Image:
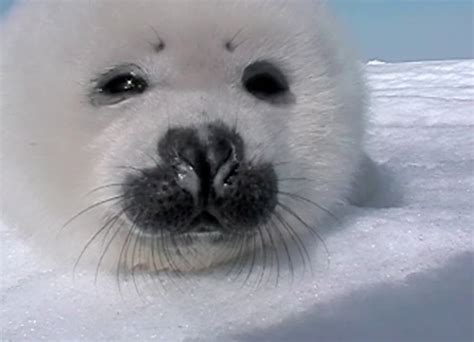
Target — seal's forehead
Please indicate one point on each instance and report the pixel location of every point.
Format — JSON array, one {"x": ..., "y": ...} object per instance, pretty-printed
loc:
[
  {"x": 187, "y": 17},
  {"x": 173, "y": 16},
  {"x": 105, "y": 32}
]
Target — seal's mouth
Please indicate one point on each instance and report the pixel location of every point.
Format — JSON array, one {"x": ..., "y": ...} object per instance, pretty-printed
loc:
[
  {"x": 205, "y": 222},
  {"x": 204, "y": 226}
]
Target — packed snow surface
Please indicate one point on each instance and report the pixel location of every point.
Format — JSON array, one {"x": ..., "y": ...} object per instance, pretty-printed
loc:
[{"x": 400, "y": 268}]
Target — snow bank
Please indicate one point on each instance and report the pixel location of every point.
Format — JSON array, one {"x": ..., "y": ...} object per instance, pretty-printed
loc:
[{"x": 400, "y": 269}]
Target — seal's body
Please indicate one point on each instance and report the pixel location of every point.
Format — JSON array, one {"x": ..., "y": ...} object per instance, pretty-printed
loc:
[{"x": 176, "y": 134}]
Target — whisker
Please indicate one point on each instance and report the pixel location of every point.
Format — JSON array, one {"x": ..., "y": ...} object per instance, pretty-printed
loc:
[
  {"x": 294, "y": 179},
  {"x": 169, "y": 256},
  {"x": 300, "y": 246},
  {"x": 109, "y": 229},
  {"x": 311, "y": 229},
  {"x": 153, "y": 245},
  {"x": 138, "y": 237},
  {"x": 125, "y": 167},
  {"x": 281, "y": 163},
  {"x": 287, "y": 250},
  {"x": 108, "y": 244},
  {"x": 153, "y": 159},
  {"x": 147, "y": 245},
  {"x": 106, "y": 186},
  {"x": 232, "y": 250},
  {"x": 275, "y": 250},
  {"x": 307, "y": 200},
  {"x": 240, "y": 260},
  {"x": 178, "y": 250},
  {"x": 264, "y": 255},
  {"x": 165, "y": 261},
  {"x": 144, "y": 257},
  {"x": 252, "y": 259},
  {"x": 91, "y": 239},
  {"x": 123, "y": 253},
  {"x": 89, "y": 208}
]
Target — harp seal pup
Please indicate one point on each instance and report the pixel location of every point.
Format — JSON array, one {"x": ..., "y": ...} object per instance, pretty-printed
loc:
[{"x": 175, "y": 135}]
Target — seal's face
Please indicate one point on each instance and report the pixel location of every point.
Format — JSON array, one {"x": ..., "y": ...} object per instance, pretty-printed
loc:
[{"x": 192, "y": 122}]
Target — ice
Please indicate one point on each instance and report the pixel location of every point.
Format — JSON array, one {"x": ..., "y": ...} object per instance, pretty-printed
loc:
[{"x": 399, "y": 269}]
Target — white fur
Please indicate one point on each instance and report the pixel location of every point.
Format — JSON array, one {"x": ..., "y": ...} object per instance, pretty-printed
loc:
[{"x": 56, "y": 146}]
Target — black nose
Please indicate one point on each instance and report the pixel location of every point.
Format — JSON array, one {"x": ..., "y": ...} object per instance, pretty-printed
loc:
[
  {"x": 202, "y": 183},
  {"x": 204, "y": 158}
]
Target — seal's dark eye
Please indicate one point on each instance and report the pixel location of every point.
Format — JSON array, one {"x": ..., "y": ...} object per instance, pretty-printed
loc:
[
  {"x": 266, "y": 82},
  {"x": 119, "y": 84},
  {"x": 124, "y": 83}
]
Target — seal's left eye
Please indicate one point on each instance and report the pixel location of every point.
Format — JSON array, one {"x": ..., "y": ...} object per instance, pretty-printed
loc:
[
  {"x": 118, "y": 85},
  {"x": 266, "y": 82}
]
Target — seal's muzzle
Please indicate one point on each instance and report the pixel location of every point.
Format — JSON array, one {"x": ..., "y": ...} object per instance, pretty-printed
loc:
[{"x": 203, "y": 183}]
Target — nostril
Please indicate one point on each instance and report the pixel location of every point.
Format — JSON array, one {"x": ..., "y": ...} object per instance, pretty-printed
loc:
[
  {"x": 180, "y": 145},
  {"x": 220, "y": 153},
  {"x": 228, "y": 155},
  {"x": 230, "y": 178},
  {"x": 226, "y": 177},
  {"x": 225, "y": 151}
]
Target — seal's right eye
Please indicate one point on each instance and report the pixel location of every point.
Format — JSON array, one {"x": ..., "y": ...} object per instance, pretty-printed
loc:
[{"x": 118, "y": 85}]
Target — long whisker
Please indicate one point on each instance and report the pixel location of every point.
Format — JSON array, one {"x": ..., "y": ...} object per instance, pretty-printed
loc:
[
  {"x": 156, "y": 256},
  {"x": 263, "y": 249},
  {"x": 305, "y": 224},
  {"x": 166, "y": 260},
  {"x": 125, "y": 167},
  {"x": 253, "y": 250},
  {"x": 106, "y": 186},
  {"x": 109, "y": 242},
  {"x": 138, "y": 237},
  {"x": 91, "y": 239},
  {"x": 153, "y": 159},
  {"x": 123, "y": 253},
  {"x": 287, "y": 250},
  {"x": 153, "y": 257},
  {"x": 89, "y": 208},
  {"x": 307, "y": 200},
  {"x": 300, "y": 246},
  {"x": 178, "y": 250},
  {"x": 275, "y": 250},
  {"x": 294, "y": 179},
  {"x": 169, "y": 255},
  {"x": 240, "y": 259}
]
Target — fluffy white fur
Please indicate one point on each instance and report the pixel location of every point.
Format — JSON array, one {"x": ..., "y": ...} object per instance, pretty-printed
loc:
[{"x": 56, "y": 147}]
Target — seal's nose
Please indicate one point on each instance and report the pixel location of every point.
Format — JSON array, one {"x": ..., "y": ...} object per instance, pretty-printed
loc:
[{"x": 204, "y": 157}]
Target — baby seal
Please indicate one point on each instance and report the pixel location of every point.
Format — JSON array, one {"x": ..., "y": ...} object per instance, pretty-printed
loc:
[{"x": 175, "y": 135}]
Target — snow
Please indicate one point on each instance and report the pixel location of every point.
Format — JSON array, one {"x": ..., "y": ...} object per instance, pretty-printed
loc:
[
  {"x": 376, "y": 62},
  {"x": 400, "y": 269}
]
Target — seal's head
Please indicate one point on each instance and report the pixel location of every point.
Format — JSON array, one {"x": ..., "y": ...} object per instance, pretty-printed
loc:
[{"x": 175, "y": 134}]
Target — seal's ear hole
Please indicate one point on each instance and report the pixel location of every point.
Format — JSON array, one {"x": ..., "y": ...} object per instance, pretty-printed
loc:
[{"x": 265, "y": 81}]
